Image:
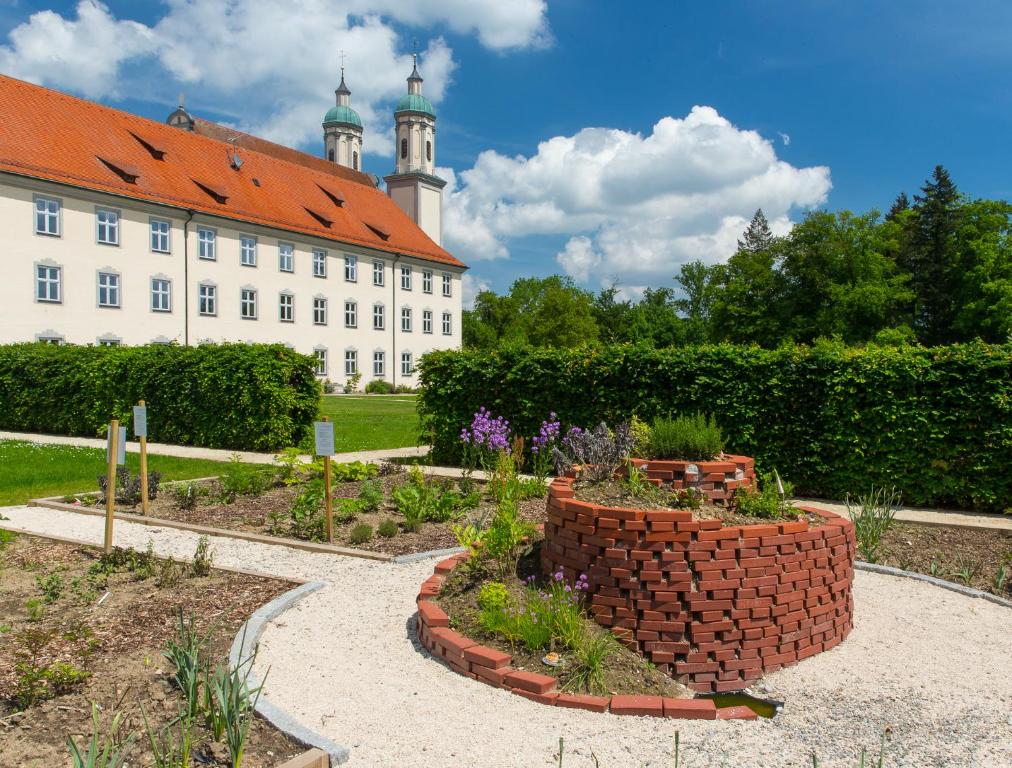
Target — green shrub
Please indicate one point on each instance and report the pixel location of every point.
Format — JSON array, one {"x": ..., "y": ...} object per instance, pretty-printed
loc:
[
  {"x": 371, "y": 495},
  {"x": 769, "y": 501},
  {"x": 694, "y": 438},
  {"x": 379, "y": 387},
  {"x": 352, "y": 471},
  {"x": 360, "y": 534},
  {"x": 933, "y": 422},
  {"x": 387, "y": 529},
  {"x": 492, "y": 596},
  {"x": 239, "y": 478},
  {"x": 241, "y": 396},
  {"x": 872, "y": 516}
]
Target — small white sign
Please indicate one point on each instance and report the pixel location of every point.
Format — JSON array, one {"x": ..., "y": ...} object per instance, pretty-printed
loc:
[
  {"x": 323, "y": 431},
  {"x": 120, "y": 447},
  {"x": 140, "y": 421}
]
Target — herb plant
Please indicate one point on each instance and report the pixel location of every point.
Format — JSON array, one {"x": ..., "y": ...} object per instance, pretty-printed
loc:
[
  {"x": 598, "y": 452},
  {"x": 693, "y": 438},
  {"x": 872, "y": 516}
]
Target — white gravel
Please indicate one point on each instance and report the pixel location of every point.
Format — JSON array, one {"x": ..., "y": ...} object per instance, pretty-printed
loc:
[{"x": 933, "y": 666}]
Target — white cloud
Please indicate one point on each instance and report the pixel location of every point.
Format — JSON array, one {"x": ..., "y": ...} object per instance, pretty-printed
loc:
[
  {"x": 635, "y": 207},
  {"x": 785, "y": 138},
  {"x": 272, "y": 65},
  {"x": 472, "y": 286}
]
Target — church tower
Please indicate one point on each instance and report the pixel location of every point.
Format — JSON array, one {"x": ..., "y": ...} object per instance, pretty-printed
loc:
[
  {"x": 342, "y": 130},
  {"x": 413, "y": 185}
]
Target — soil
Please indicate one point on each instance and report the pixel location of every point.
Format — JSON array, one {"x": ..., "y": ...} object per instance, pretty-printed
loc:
[
  {"x": 252, "y": 514},
  {"x": 970, "y": 556},
  {"x": 625, "y": 671},
  {"x": 117, "y": 641},
  {"x": 616, "y": 493}
]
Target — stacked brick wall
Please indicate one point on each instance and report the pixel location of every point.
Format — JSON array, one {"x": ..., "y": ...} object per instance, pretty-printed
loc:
[
  {"x": 714, "y": 606},
  {"x": 717, "y": 480}
]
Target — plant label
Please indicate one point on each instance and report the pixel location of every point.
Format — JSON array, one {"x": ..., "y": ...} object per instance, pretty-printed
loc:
[
  {"x": 140, "y": 421},
  {"x": 323, "y": 431},
  {"x": 120, "y": 446}
]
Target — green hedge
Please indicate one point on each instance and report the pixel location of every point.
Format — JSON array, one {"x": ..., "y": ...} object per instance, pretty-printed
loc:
[
  {"x": 239, "y": 396},
  {"x": 934, "y": 422}
]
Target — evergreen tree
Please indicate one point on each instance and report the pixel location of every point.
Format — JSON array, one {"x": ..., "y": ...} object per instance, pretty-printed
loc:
[
  {"x": 758, "y": 236},
  {"x": 930, "y": 257},
  {"x": 900, "y": 204}
]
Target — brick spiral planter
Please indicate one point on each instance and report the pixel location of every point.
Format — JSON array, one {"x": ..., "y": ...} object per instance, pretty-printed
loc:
[
  {"x": 716, "y": 607},
  {"x": 492, "y": 667},
  {"x": 717, "y": 480}
]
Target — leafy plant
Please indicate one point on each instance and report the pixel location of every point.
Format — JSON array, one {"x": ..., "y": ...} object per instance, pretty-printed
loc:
[
  {"x": 492, "y": 596},
  {"x": 507, "y": 539},
  {"x": 346, "y": 510},
  {"x": 63, "y": 676},
  {"x": 1000, "y": 579},
  {"x": 105, "y": 749},
  {"x": 360, "y": 534},
  {"x": 166, "y": 750},
  {"x": 307, "y": 518},
  {"x": 351, "y": 383},
  {"x": 872, "y": 516},
  {"x": 590, "y": 651},
  {"x": 598, "y": 452},
  {"x": 293, "y": 470},
  {"x": 203, "y": 558},
  {"x": 184, "y": 653},
  {"x": 966, "y": 569},
  {"x": 128, "y": 486},
  {"x": 769, "y": 501},
  {"x": 234, "y": 701},
  {"x": 387, "y": 529},
  {"x": 411, "y": 502},
  {"x": 693, "y": 438},
  {"x": 51, "y": 586},
  {"x": 169, "y": 573},
  {"x": 187, "y": 496},
  {"x": 371, "y": 495},
  {"x": 239, "y": 478},
  {"x": 379, "y": 387},
  {"x": 35, "y": 609}
]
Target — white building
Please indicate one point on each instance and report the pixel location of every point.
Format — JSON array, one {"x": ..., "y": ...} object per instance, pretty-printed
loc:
[{"x": 122, "y": 230}]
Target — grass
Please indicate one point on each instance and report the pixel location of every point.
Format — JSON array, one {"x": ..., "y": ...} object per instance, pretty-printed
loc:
[
  {"x": 371, "y": 422},
  {"x": 33, "y": 470}
]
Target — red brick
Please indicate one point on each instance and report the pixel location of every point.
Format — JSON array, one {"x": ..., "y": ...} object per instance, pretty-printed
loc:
[
  {"x": 577, "y": 701},
  {"x": 487, "y": 657},
  {"x": 719, "y": 534},
  {"x": 453, "y": 642},
  {"x": 541, "y": 698},
  {"x": 530, "y": 681},
  {"x": 690, "y": 709},
  {"x": 652, "y": 706},
  {"x": 736, "y": 713},
  {"x": 447, "y": 565},
  {"x": 432, "y": 615},
  {"x": 494, "y": 677}
]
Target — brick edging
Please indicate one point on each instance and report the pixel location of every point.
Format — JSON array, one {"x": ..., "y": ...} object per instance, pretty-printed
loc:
[{"x": 492, "y": 667}]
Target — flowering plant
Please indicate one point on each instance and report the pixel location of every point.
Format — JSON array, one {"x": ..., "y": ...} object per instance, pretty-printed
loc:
[
  {"x": 543, "y": 446},
  {"x": 487, "y": 437},
  {"x": 599, "y": 452},
  {"x": 542, "y": 616}
]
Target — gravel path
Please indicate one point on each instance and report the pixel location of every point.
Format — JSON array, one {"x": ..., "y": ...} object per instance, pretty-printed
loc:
[{"x": 933, "y": 666}]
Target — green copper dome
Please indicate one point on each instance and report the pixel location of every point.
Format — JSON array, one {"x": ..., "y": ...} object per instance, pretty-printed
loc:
[
  {"x": 342, "y": 115},
  {"x": 415, "y": 102}
]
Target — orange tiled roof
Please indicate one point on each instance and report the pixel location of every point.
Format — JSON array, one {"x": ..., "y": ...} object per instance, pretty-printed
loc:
[{"x": 50, "y": 135}]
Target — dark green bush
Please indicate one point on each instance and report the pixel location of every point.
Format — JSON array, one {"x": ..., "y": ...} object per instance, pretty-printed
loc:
[
  {"x": 360, "y": 534},
  {"x": 379, "y": 387},
  {"x": 936, "y": 423},
  {"x": 247, "y": 397},
  {"x": 387, "y": 529},
  {"x": 694, "y": 437}
]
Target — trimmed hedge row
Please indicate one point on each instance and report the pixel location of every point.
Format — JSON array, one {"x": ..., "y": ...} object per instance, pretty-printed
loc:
[
  {"x": 240, "y": 396},
  {"x": 934, "y": 422}
]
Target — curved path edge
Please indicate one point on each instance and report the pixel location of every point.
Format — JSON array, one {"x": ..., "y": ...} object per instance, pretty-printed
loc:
[
  {"x": 888, "y": 570},
  {"x": 244, "y": 647}
]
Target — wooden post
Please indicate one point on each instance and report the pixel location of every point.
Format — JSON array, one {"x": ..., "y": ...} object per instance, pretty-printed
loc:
[
  {"x": 144, "y": 468},
  {"x": 327, "y": 496},
  {"x": 110, "y": 483}
]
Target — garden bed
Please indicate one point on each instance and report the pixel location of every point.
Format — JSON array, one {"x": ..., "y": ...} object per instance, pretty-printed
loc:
[{"x": 84, "y": 634}]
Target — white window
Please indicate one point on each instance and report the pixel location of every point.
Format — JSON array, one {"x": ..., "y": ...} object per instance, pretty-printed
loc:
[
  {"x": 319, "y": 263},
  {"x": 378, "y": 317},
  {"x": 205, "y": 243},
  {"x": 406, "y": 319},
  {"x": 47, "y": 216},
  {"x": 378, "y": 273},
  {"x": 447, "y": 324},
  {"x": 247, "y": 251},
  {"x": 49, "y": 338},
  {"x": 427, "y": 321},
  {"x": 427, "y": 281},
  {"x": 108, "y": 289},
  {"x": 351, "y": 269},
  {"x": 248, "y": 304},
  {"x": 109, "y": 342},
  {"x": 319, "y": 311},
  {"x": 161, "y": 295},
  {"x": 405, "y": 278},
  {"x": 447, "y": 284},
  {"x": 407, "y": 364},
  {"x": 286, "y": 257},
  {"x": 286, "y": 308},
  {"x": 160, "y": 236},
  {"x": 378, "y": 364},
  {"x": 48, "y": 283},
  {"x": 321, "y": 361},
  {"x": 350, "y": 362},
  {"x": 350, "y": 314},
  {"x": 107, "y": 225},
  {"x": 207, "y": 299}
]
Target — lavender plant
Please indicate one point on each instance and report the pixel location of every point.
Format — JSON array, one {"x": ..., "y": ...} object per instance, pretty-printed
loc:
[
  {"x": 488, "y": 436},
  {"x": 543, "y": 446},
  {"x": 598, "y": 452}
]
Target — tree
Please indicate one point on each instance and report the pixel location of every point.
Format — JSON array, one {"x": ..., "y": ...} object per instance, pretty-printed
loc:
[
  {"x": 758, "y": 236},
  {"x": 696, "y": 280},
  {"x": 612, "y": 316},
  {"x": 900, "y": 204}
]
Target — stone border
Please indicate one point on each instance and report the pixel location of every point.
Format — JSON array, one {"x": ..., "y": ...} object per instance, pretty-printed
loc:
[
  {"x": 716, "y": 479},
  {"x": 53, "y": 502},
  {"x": 492, "y": 667},
  {"x": 888, "y": 570},
  {"x": 244, "y": 646}
]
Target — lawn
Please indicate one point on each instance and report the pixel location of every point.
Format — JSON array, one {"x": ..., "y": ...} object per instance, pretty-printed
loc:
[
  {"x": 32, "y": 470},
  {"x": 371, "y": 422}
]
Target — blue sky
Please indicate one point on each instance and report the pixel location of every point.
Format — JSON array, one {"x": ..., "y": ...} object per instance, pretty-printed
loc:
[{"x": 552, "y": 114}]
